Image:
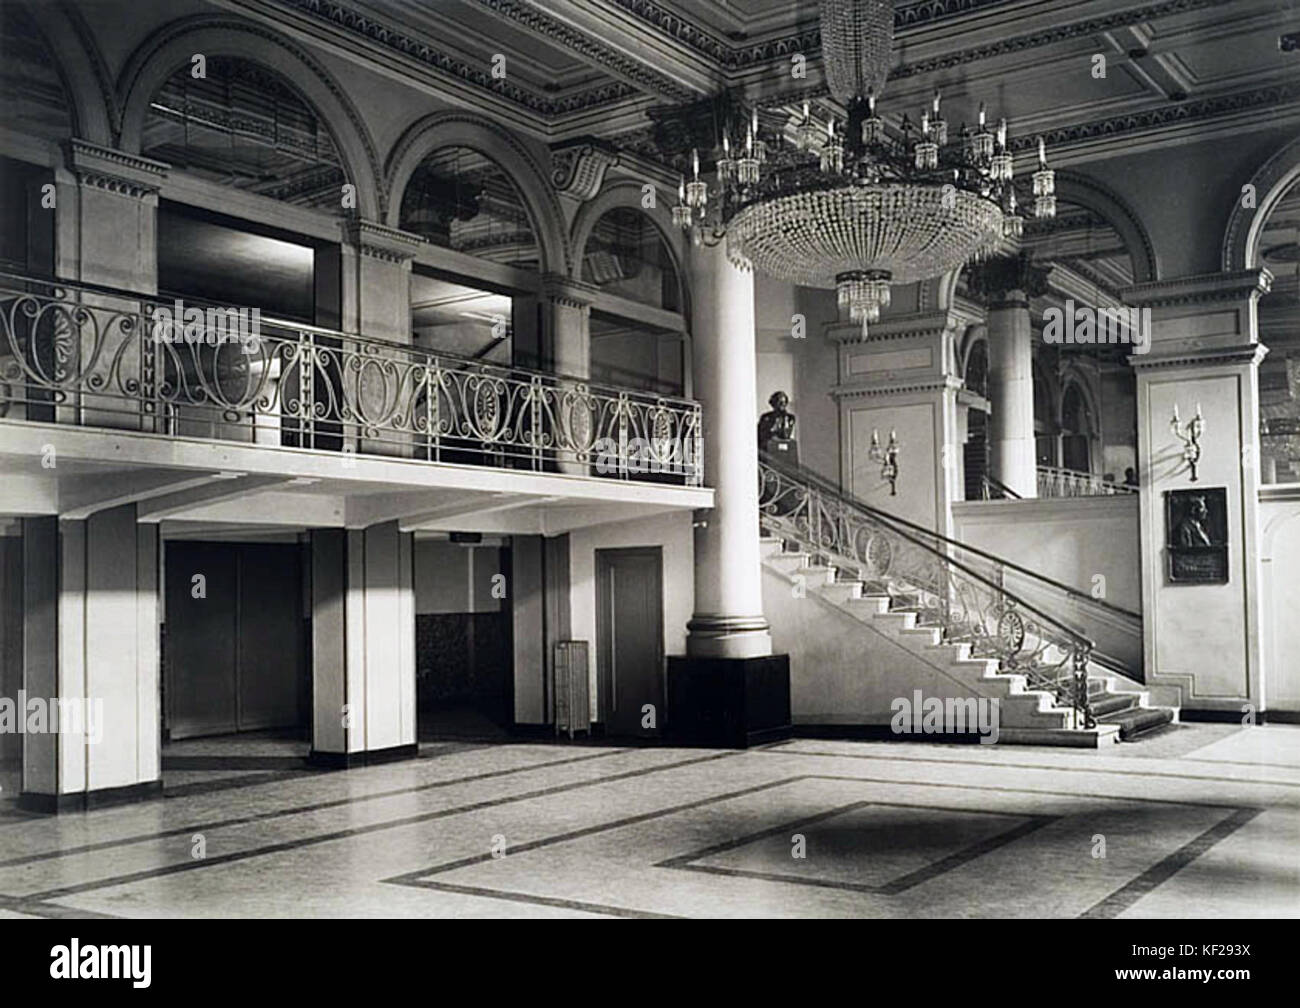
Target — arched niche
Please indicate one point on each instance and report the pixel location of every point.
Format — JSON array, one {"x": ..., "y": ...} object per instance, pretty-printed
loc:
[
  {"x": 1245, "y": 227},
  {"x": 171, "y": 49},
  {"x": 461, "y": 199},
  {"x": 443, "y": 130}
]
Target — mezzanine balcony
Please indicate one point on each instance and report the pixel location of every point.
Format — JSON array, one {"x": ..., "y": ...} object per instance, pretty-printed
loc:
[{"x": 318, "y": 406}]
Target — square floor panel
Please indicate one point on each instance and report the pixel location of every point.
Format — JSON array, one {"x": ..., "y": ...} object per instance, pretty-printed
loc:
[{"x": 864, "y": 846}]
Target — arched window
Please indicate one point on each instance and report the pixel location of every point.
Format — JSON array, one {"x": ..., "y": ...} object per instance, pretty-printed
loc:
[
  {"x": 463, "y": 200},
  {"x": 626, "y": 255},
  {"x": 244, "y": 126}
]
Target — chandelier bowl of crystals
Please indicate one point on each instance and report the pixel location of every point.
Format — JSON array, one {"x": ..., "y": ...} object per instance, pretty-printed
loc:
[{"x": 859, "y": 204}]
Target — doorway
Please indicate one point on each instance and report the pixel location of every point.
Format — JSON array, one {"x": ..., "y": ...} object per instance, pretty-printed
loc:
[
  {"x": 629, "y": 640},
  {"x": 233, "y": 639}
]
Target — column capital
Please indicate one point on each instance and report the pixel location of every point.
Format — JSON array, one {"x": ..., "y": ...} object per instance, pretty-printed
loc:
[
  {"x": 567, "y": 292},
  {"x": 113, "y": 170},
  {"x": 1007, "y": 281},
  {"x": 379, "y": 241},
  {"x": 1202, "y": 288}
]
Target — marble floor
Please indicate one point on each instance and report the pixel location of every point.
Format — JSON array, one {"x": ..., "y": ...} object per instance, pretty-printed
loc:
[{"x": 1197, "y": 821}]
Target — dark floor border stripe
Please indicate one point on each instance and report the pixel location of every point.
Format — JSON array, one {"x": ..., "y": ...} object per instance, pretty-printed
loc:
[
  {"x": 1038, "y": 766},
  {"x": 51, "y": 911},
  {"x": 295, "y": 810},
  {"x": 423, "y": 873},
  {"x": 604, "y": 909},
  {"x": 311, "y": 841},
  {"x": 305, "y": 771},
  {"x": 1162, "y": 871}
]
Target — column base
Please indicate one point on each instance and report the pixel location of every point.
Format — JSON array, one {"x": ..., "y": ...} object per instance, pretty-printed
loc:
[
  {"x": 345, "y": 761},
  {"x": 728, "y": 703},
  {"x": 710, "y": 636},
  {"x": 85, "y": 801}
]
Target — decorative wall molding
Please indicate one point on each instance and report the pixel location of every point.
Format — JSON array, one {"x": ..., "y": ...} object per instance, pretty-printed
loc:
[
  {"x": 1245, "y": 224},
  {"x": 115, "y": 171},
  {"x": 885, "y": 383},
  {"x": 1200, "y": 289},
  {"x": 1249, "y": 353}
]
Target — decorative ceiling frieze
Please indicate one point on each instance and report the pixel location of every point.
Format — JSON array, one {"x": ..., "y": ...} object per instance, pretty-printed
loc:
[
  {"x": 396, "y": 40},
  {"x": 583, "y": 45}
]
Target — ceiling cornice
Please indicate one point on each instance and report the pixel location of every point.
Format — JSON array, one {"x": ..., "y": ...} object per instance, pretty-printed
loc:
[{"x": 632, "y": 71}]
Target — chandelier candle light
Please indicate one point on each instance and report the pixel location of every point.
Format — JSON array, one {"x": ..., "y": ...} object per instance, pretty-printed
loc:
[{"x": 860, "y": 204}]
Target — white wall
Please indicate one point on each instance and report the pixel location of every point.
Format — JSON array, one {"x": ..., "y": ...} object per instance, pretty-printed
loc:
[
  {"x": 671, "y": 531},
  {"x": 1071, "y": 540},
  {"x": 1279, "y": 519}
]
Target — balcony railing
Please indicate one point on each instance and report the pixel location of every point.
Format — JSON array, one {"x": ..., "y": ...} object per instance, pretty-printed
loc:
[
  {"x": 91, "y": 356},
  {"x": 1054, "y": 482}
]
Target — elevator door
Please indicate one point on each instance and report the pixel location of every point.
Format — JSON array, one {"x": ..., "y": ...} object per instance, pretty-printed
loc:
[
  {"x": 629, "y": 640},
  {"x": 234, "y": 653}
]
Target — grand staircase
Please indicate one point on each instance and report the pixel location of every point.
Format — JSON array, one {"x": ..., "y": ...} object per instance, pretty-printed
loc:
[{"x": 950, "y": 608}]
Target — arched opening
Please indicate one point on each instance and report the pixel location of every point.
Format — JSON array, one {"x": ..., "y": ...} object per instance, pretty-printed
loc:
[
  {"x": 1279, "y": 330},
  {"x": 243, "y": 125},
  {"x": 460, "y": 199},
  {"x": 625, "y": 255}
]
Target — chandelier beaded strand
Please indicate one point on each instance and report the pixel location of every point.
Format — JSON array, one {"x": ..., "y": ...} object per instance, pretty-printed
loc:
[{"x": 858, "y": 206}]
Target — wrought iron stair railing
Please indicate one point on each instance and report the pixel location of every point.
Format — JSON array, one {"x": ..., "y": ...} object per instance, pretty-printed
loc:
[
  {"x": 93, "y": 356},
  {"x": 920, "y": 572}
]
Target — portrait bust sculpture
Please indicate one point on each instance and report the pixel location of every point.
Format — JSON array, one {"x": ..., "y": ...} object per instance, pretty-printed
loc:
[{"x": 777, "y": 424}]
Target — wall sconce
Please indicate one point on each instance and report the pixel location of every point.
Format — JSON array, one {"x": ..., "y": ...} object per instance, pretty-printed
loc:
[
  {"x": 1190, "y": 436},
  {"x": 888, "y": 459}
]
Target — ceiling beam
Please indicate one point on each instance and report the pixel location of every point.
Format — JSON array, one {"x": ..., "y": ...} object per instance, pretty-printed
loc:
[
  {"x": 82, "y": 496},
  {"x": 225, "y": 486}
]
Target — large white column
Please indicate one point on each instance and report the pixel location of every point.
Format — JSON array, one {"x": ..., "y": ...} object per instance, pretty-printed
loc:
[
  {"x": 728, "y": 621},
  {"x": 1011, "y": 393},
  {"x": 1006, "y": 284}
]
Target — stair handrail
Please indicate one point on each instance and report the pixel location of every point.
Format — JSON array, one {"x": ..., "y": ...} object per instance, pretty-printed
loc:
[
  {"x": 996, "y": 629},
  {"x": 802, "y": 472},
  {"x": 993, "y": 483}
]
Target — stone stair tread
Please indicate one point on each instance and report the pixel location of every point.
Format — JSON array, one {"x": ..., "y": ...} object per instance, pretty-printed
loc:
[{"x": 1138, "y": 720}]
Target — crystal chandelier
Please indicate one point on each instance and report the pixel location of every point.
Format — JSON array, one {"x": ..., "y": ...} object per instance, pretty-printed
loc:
[{"x": 857, "y": 204}]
